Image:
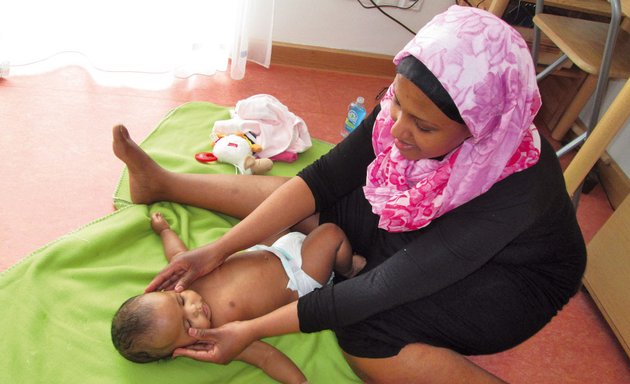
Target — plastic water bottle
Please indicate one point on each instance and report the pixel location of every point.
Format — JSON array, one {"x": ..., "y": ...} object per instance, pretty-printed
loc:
[{"x": 356, "y": 114}]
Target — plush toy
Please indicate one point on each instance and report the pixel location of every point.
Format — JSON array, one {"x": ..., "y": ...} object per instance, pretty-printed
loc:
[{"x": 235, "y": 149}]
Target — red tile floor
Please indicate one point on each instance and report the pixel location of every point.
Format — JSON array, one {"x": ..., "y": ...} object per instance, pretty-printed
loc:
[{"x": 59, "y": 173}]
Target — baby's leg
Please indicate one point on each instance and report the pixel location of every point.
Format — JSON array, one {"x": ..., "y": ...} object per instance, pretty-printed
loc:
[
  {"x": 326, "y": 249},
  {"x": 171, "y": 242}
]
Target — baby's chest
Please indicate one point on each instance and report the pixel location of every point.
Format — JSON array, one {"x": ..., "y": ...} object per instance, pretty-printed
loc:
[{"x": 251, "y": 299}]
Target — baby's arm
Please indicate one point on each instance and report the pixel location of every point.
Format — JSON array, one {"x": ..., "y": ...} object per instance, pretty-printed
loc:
[
  {"x": 170, "y": 240},
  {"x": 273, "y": 362}
]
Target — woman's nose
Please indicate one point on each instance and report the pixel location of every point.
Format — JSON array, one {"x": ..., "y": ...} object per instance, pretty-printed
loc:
[{"x": 398, "y": 129}]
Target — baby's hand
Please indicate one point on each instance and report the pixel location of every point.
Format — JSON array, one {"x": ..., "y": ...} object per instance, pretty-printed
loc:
[{"x": 159, "y": 223}]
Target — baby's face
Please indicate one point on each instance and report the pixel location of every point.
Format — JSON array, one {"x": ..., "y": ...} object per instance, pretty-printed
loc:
[{"x": 175, "y": 313}]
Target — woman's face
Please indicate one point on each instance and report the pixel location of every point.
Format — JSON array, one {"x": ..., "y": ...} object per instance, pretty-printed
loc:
[{"x": 421, "y": 130}]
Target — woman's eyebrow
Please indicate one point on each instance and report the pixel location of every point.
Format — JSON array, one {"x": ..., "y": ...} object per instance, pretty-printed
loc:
[
  {"x": 426, "y": 123},
  {"x": 430, "y": 124}
]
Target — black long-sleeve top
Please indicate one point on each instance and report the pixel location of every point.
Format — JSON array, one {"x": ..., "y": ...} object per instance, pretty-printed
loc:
[{"x": 525, "y": 219}]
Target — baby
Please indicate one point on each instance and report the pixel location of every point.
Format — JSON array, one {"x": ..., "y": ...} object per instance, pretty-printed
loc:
[{"x": 248, "y": 284}]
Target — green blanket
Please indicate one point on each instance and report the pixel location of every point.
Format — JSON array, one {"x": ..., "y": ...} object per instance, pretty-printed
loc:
[{"x": 58, "y": 302}]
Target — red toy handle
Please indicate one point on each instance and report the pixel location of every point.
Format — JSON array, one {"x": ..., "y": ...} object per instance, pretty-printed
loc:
[{"x": 205, "y": 157}]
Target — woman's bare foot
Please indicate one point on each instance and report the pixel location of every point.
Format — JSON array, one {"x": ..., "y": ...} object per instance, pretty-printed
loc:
[
  {"x": 159, "y": 223},
  {"x": 144, "y": 173}
]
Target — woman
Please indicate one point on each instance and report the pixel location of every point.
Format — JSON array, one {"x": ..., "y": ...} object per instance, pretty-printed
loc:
[{"x": 447, "y": 189}]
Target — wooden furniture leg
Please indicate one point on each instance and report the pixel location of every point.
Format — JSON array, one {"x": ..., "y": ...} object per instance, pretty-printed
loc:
[
  {"x": 597, "y": 142},
  {"x": 498, "y": 7},
  {"x": 575, "y": 107}
]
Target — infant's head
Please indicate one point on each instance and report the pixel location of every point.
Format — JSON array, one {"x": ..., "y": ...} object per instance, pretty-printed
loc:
[{"x": 150, "y": 327}]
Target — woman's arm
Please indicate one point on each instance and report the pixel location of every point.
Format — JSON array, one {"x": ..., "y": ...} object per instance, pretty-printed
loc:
[
  {"x": 449, "y": 249},
  {"x": 335, "y": 174},
  {"x": 291, "y": 203},
  {"x": 273, "y": 362}
]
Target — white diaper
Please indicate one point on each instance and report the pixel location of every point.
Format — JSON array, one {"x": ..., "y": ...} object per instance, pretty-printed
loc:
[{"x": 288, "y": 249}]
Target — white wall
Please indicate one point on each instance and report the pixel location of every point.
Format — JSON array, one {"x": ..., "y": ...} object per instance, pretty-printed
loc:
[{"x": 344, "y": 24}]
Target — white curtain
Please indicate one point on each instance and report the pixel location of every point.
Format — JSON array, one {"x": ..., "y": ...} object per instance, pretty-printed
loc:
[{"x": 144, "y": 43}]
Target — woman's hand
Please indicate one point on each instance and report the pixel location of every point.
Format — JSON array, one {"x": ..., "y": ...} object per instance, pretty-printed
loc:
[
  {"x": 218, "y": 345},
  {"x": 185, "y": 268},
  {"x": 224, "y": 344}
]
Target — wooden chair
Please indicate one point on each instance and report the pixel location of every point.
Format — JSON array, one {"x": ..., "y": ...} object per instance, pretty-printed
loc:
[
  {"x": 607, "y": 276},
  {"x": 584, "y": 42},
  {"x": 547, "y": 51}
]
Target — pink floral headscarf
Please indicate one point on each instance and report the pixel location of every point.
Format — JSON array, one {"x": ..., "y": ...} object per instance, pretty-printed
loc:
[{"x": 486, "y": 68}]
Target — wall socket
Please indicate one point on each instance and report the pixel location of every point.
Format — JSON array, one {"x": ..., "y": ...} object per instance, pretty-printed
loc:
[
  {"x": 415, "y": 5},
  {"x": 4, "y": 69}
]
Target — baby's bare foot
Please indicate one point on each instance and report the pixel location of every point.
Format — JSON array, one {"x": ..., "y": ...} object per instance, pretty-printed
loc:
[
  {"x": 358, "y": 263},
  {"x": 159, "y": 223},
  {"x": 143, "y": 171}
]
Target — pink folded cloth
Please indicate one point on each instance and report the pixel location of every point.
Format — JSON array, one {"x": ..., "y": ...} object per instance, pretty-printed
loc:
[{"x": 270, "y": 124}]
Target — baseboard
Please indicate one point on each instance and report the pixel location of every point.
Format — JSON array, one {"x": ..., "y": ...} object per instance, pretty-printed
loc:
[
  {"x": 614, "y": 181},
  {"x": 332, "y": 59}
]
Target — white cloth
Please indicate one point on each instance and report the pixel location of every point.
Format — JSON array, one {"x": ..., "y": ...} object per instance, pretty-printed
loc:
[
  {"x": 288, "y": 248},
  {"x": 277, "y": 129}
]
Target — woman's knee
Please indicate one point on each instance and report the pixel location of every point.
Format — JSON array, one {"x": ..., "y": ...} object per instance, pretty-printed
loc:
[
  {"x": 401, "y": 368},
  {"x": 387, "y": 370},
  {"x": 420, "y": 363}
]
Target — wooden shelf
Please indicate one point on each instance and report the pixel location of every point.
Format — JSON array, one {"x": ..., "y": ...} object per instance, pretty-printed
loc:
[
  {"x": 547, "y": 50},
  {"x": 583, "y": 41},
  {"x": 597, "y": 7}
]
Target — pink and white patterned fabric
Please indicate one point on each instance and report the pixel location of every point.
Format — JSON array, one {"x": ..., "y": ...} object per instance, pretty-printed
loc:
[{"x": 486, "y": 68}]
